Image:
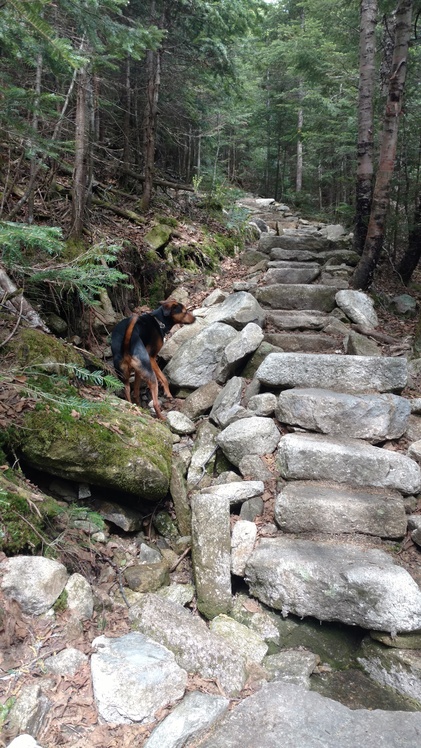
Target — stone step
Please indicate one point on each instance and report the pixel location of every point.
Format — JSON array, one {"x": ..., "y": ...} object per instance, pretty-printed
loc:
[
  {"x": 309, "y": 343},
  {"x": 291, "y": 275},
  {"x": 311, "y": 319},
  {"x": 312, "y": 506},
  {"x": 297, "y": 296},
  {"x": 334, "y": 582},
  {"x": 333, "y": 371},
  {"x": 350, "y": 461},
  {"x": 373, "y": 417}
]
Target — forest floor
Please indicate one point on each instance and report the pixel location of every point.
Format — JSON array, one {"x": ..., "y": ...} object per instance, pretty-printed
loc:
[{"x": 26, "y": 641}]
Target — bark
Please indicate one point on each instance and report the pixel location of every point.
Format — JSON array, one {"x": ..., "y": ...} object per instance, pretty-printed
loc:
[
  {"x": 153, "y": 61},
  {"x": 79, "y": 192},
  {"x": 375, "y": 234},
  {"x": 300, "y": 122},
  {"x": 126, "y": 120},
  {"x": 365, "y": 147},
  {"x": 14, "y": 300},
  {"x": 34, "y": 159},
  {"x": 412, "y": 255}
]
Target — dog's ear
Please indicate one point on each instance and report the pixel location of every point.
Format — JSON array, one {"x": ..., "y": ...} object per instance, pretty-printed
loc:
[{"x": 167, "y": 306}]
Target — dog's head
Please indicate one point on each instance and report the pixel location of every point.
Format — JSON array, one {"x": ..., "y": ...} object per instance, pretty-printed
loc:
[{"x": 177, "y": 312}]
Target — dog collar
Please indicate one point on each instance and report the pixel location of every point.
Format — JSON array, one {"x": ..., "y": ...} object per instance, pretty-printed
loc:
[{"x": 163, "y": 327}]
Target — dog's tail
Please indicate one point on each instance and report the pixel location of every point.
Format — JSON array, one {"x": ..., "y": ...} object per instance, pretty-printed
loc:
[{"x": 128, "y": 335}]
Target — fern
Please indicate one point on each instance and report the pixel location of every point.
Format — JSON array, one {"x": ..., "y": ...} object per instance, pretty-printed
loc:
[{"x": 16, "y": 239}]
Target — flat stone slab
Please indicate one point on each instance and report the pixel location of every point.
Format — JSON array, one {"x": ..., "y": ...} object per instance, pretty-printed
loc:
[
  {"x": 291, "y": 275},
  {"x": 333, "y": 371},
  {"x": 195, "y": 714},
  {"x": 351, "y": 461},
  {"x": 297, "y": 296},
  {"x": 372, "y": 417},
  {"x": 334, "y": 582},
  {"x": 305, "y": 343},
  {"x": 285, "y": 715},
  {"x": 298, "y": 320},
  {"x": 297, "y": 255},
  {"x": 314, "y": 507}
]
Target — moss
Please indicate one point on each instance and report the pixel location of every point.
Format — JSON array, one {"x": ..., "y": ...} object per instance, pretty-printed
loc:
[
  {"x": 22, "y": 528},
  {"x": 111, "y": 446},
  {"x": 34, "y": 347},
  {"x": 72, "y": 249},
  {"x": 168, "y": 220},
  {"x": 61, "y": 603}
]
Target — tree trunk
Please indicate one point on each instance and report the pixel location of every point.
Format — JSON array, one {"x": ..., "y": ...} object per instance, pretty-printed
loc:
[
  {"x": 374, "y": 241},
  {"x": 34, "y": 159},
  {"x": 79, "y": 192},
  {"x": 300, "y": 122},
  {"x": 365, "y": 147},
  {"x": 412, "y": 255},
  {"x": 126, "y": 122},
  {"x": 153, "y": 62}
]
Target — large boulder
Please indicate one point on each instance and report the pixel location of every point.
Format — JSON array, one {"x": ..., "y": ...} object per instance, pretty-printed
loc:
[
  {"x": 196, "y": 361},
  {"x": 250, "y": 436},
  {"x": 237, "y": 310},
  {"x": 282, "y": 714},
  {"x": 34, "y": 582},
  {"x": 117, "y": 446},
  {"x": 297, "y": 296},
  {"x": 334, "y": 582}
]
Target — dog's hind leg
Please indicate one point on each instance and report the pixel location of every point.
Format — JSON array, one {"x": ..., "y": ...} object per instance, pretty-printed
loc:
[
  {"x": 147, "y": 375},
  {"x": 161, "y": 377}
]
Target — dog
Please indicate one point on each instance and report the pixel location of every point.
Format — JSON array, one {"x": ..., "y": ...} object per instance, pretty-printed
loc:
[{"x": 136, "y": 342}]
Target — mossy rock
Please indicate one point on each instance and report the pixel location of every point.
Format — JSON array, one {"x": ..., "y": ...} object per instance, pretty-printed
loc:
[
  {"x": 31, "y": 347},
  {"x": 158, "y": 236},
  {"x": 117, "y": 447},
  {"x": 22, "y": 528}
]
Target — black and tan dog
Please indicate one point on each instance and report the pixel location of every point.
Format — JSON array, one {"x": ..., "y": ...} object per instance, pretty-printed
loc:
[{"x": 136, "y": 342}]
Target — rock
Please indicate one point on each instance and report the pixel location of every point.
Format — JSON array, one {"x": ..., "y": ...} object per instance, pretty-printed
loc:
[
  {"x": 57, "y": 325},
  {"x": 24, "y": 741},
  {"x": 196, "y": 361},
  {"x": 247, "y": 642},
  {"x": 127, "y": 519},
  {"x": 133, "y": 677},
  {"x": 304, "y": 343},
  {"x": 291, "y": 275},
  {"x": 372, "y": 417},
  {"x": 252, "y": 257},
  {"x": 242, "y": 543},
  {"x": 180, "y": 336},
  {"x": 413, "y": 431},
  {"x": 211, "y": 547},
  {"x": 263, "y": 404},
  {"x": 28, "y": 347},
  {"x": 179, "y": 423},
  {"x": 288, "y": 715},
  {"x": 203, "y": 456},
  {"x": 297, "y": 296},
  {"x": 147, "y": 577},
  {"x": 196, "y": 649},
  {"x": 29, "y": 711},
  {"x": 292, "y": 666},
  {"x": 178, "y": 491},
  {"x": 237, "y": 310},
  {"x": 80, "y": 600},
  {"x": 253, "y": 435},
  {"x": 182, "y": 594},
  {"x": 148, "y": 554},
  {"x": 251, "y": 367},
  {"x": 334, "y": 582},
  {"x": 200, "y": 401},
  {"x": 196, "y": 713},
  {"x": 359, "y": 345},
  {"x": 227, "y": 406},
  {"x": 66, "y": 662},
  {"x": 298, "y": 320},
  {"x": 294, "y": 255},
  {"x": 217, "y": 296},
  {"x": 236, "y": 492},
  {"x": 305, "y": 241},
  {"x": 314, "y": 507},
  {"x": 238, "y": 351},
  {"x": 395, "y": 668},
  {"x": 400, "y": 641},
  {"x": 358, "y": 307},
  {"x": 34, "y": 582},
  {"x": 158, "y": 236},
  {"x": 94, "y": 452},
  {"x": 339, "y": 256},
  {"x": 404, "y": 304},
  {"x": 335, "y": 372},
  {"x": 315, "y": 457},
  {"x": 253, "y": 508},
  {"x": 333, "y": 232}
]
